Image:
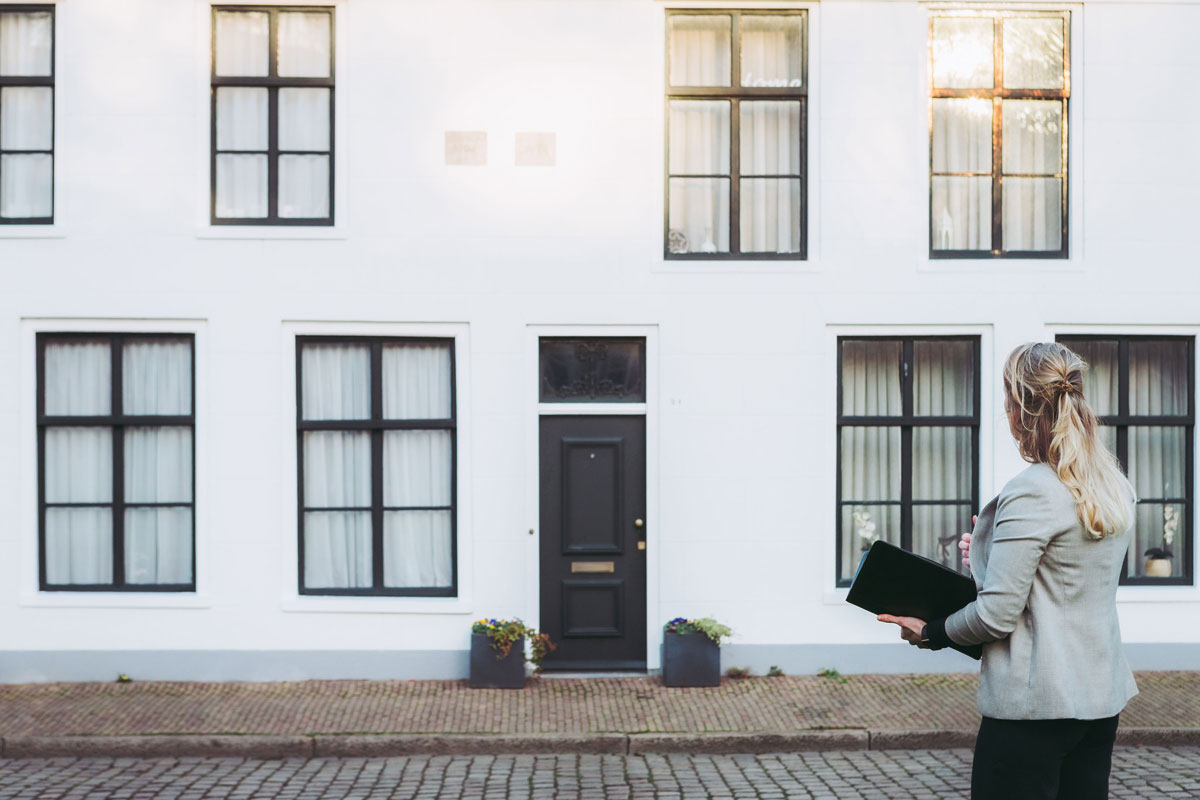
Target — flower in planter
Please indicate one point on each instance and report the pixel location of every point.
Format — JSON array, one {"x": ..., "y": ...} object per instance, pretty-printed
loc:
[
  {"x": 706, "y": 625},
  {"x": 504, "y": 633},
  {"x": 864, "y": 526}
]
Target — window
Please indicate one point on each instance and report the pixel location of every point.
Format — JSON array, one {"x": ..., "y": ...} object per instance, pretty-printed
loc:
[
  {"x": 908, "y": 455},
  {"x": 999, "y": 85},
  {"x": 27, "y": 115},
  {"x": 272, "y": 116},
  {"x": 115, "y": 457},
  {"x": 736, "y": 120},
  {"x": 1141, "y": 388},
  {"x": 377, "y": 451},
  {"x": 600, "y": 370}
]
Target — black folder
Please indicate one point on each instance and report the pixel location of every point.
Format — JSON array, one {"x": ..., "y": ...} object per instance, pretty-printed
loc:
[{"x": 891, "y": 580}]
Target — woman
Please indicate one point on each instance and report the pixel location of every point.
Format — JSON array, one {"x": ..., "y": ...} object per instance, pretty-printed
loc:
[{"x": 1046, "y": 555}]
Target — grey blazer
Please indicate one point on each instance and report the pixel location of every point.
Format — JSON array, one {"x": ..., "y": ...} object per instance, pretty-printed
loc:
[{"x": 1046, "y": 611}]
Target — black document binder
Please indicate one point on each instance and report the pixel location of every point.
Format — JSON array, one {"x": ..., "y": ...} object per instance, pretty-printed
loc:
[{"x": 890, "y": 580}]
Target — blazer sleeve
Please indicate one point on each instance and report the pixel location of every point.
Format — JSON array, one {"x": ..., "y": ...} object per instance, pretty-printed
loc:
[{"x": 1023, "y": 529}]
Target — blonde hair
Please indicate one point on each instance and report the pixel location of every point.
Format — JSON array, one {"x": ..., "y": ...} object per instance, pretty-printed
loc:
[{"x": 1054, "y": 425}]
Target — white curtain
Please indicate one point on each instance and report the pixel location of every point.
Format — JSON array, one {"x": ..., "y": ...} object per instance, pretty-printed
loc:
[
  {"x": 26, "y": 123},
  {"x": 699, "y": 50},
  {"x": 417, "y": 472},
  {"x": 78, "y": 378},
  {"x": 698, "y": 208},
  {"x": 25, "y": 43},
  {"x": 78, "y": 469},
  {"x": 963, "y": 53},
  {"x": 337, "y": 474},
  {"x": 157, "y": 377},
  {"x": 242, "y": 43},
  {"x": 304, "y": 179},
  {"x": 1033, "y": 53},
  {"x": 1032, "y": 212},
  {"x": 304, "y": 44},
  {"x": 79, "y": 545},
  {"x": 417, "y": 548},
  {"x": 336, "y": 381},
  {"x": 242, "y": 177},
  {"x": 303, "y": 119},
  {"x": 337, "y": 549},
  {"x": 770, "y": 207},
  {"x": 303, "y": 186},
  {"x": 416, "y": 381},
  {"x": 772, "y": 50},
  {"x": 962, "y": 142}
]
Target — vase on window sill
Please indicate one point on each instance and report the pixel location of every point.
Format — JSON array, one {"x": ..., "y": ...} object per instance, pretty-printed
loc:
[
  {"x": 1158, "y": 568},
  {"x": 489, "y": 669}
]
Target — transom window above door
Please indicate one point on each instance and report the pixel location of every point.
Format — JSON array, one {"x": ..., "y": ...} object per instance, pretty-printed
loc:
[
  {"x": 592, "y": 370},
  {"x": 736, "y": 106},
  {"x": 999, "y": 92}
]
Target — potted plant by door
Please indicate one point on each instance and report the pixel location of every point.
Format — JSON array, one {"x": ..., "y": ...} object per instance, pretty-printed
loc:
[
  {"x": 1158, "y": 559},
  {"x": 498, "y": 653},
  {"x": 691, "y": 652}
]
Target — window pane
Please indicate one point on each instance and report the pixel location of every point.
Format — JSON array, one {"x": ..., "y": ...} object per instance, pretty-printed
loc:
[
  {"x": 862, "y": 525},
  {"x": 242, "y": 43},
  {"x": 1158, "y": 378},
  {"x": 699, "y": 137},
  {"x": 592, "y": 370},
  {"x": 772, "y": 50},
  {"x": 770, "y": 214},
  {"x": 26, "y": 186},
  {"x": 942, "y": 467},
  {"x": 416, "y": 381},
  {"x": 936, "y": 530},
  {"x": 158, "y": 545},
  {"x": 78, "y": 378},
  {"x": 303, "y": 119},
  {"x": 1160, "y": 526},
  {"x": 78, "y": 465},
  {"x": 241, "y": 186},
  {"x": 1108, "y": 435},
  {"x": 1032, "y": 213},
  {"x": 417, "y": 468},
  {"x": 417, "y": 548},
  {"x": 770, "y": 134},
  {"x": 962, "y": 213},
  {"x": 962, "y": 53},
  {"x": 337, "y": 550},
  {"x": 25, "y": 43},
  {"x": 1157, "y": 458},
  {"x": 241, "y": 118},
  {"x": 157, "y": 377},
  {"x": 158, "y": 465},
  {"x": 79, "y": 546},
  {"x": 336, "y": 381},
  {"x": 337, "y": 469},
  {"x": 870, "y": 463},
  {"x": 871, "y": 378},
  {"x": 699, "y": 215},
  {"x": 26, "y": 118},
  {"x": 304, "y": 187},
  {"x": 304, "y": 44},
  {"x": 1100, "y": 377},
  {"x": 1033, "y": 53},
  {"x": 699, "y": 49},
  {"x": 1033, "y": 136},
  {"x": 943, "y": 378},
  {"x": 962, "y": 135}
]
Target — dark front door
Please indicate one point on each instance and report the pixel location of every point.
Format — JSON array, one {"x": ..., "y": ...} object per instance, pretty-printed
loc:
[{"x": 593, "y": 573}]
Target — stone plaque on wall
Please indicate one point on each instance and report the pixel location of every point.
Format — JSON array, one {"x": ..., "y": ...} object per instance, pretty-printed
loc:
[
  {"x": 466, "y": 148},
  {"x": 535, "y": 149}
]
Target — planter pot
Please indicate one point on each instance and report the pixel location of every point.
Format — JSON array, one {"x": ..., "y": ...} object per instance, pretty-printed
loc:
[
  {"x": 690, "y": 659},
  {"x": 490, "y": 672},
  {"x": 1158, "y": 567}
]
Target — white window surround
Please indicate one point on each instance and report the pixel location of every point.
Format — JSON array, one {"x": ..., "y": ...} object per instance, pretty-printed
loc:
[
  {"x": 30, "y": 594},
  {"x": 286, "y": 547},
  {"x": 1074, "y": 262},
  {"x": 341, "y": 159}
]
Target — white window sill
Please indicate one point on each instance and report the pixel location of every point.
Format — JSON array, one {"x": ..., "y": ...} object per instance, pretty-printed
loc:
[
  {"x": 52, "y": 231},
  {"x": 312, "y": 604},
  {"x": 1041, "y": 266},
  {"x": 738, "y": 266},
  {"x": 168, "y": 600},
  {"x": 271, "y": 232}
]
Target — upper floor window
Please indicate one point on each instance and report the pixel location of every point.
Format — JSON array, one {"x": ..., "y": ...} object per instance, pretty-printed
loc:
[
  {"x": 115, "y": 426},
  {"x": 908, "y": 455},
  {"x": 999, "y": 86},
  {"x": 377, "y": 447},
  {"x": 272, "y": 116},
  {"x": 1141, "y": 388},
  {"x": 737, "y": 91},
  {"x": 27, "y": 115}
]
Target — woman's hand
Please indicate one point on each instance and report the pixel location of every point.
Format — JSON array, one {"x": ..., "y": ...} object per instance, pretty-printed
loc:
[
  {"x": 964, "y": 544},
  {"x": 910, "y": 628}
]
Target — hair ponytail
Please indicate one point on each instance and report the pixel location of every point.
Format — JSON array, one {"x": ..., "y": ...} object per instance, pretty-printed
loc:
[{"x": 1054, "y": 425}]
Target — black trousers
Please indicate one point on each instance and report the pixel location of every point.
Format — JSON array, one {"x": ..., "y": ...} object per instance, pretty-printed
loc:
[{"x": 1043, "y": 759}]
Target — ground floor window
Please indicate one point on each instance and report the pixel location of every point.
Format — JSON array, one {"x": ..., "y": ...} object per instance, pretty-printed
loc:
[
  {"x": 376, "y": 445},
  {"x": 908, "y": 445}
]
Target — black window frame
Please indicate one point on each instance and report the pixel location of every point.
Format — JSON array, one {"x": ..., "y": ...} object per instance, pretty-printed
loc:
[
  {"x": 37, "y": 80},
  {"x": 376, "y": 426},
  {"x": 118, "y": 422},
  {"x": 272, "y": 82},
  {"x": 997, "y": 94},
  {"x": 905, "y": 421},
  {"x": 735, "y": 93},
  {"x": 1123, "y": 420}
]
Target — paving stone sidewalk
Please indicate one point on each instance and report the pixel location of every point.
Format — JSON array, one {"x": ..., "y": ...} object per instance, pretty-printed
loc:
[{"x": 606, "y": 715}]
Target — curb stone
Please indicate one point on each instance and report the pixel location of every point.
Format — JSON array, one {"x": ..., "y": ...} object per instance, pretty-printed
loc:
[
  {"x": 368, "y": 745},
  {"x": 266, "y": 747},
  {"x": 922, "y": 740},
  {"x": 724, "y": 743}
]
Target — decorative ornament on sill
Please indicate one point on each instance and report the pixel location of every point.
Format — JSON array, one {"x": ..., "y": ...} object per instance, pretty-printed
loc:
[
  {"x": 864, "y": 526},
  {"x": 1158, "y": 559}
]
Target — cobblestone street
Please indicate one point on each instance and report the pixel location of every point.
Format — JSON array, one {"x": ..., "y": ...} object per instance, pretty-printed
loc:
[{"x": 1144, "y": 772}]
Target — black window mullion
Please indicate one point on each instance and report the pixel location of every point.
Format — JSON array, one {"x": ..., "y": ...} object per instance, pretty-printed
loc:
[
  {"x": 377, "y": 466},
  {"x": 735, "y": 179},
  {"x": 906, "y": 453},
  {"x": 118, "y": 449},
  {"x": 273, "y": 149}
]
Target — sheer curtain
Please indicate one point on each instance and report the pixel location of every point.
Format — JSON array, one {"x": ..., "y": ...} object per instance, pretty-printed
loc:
[
  {"x": 770, "y": 207},
  {"x": 962, "y": 205},
  {"x": 26, "y": 117},
  {"x": 1032, "y": 145},
  {"x": 242, "y": 176},
  {"x": 304, "y": 126},
  {"x": 337, "y": 381}
]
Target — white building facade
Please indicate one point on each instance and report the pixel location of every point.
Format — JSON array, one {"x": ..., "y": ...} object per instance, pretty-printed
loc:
[{"x": 330, "y": 328}]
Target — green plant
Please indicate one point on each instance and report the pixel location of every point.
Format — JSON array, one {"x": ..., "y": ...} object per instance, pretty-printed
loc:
[
  {"x": 504, "y": 633},
  {"x": 774, "y": 672},
  {"x": 706, "y": 625},
  {"x": 738, "y": 673},
  {"x": 833, "y": 674}
]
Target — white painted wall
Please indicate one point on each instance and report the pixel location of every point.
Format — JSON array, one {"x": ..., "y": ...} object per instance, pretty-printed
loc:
[{"x": 745, "y": 351}]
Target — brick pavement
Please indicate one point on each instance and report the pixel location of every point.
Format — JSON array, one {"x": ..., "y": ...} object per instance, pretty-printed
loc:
[{"x": 1151, "y": 772}]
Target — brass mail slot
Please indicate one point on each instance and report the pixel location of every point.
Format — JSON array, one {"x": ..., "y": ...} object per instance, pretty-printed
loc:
[{"x": 592, "y": 566}]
